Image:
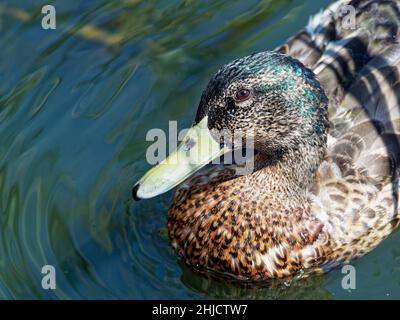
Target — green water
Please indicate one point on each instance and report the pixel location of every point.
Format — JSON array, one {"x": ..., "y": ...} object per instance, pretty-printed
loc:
[{"x": 74, "y": 113}]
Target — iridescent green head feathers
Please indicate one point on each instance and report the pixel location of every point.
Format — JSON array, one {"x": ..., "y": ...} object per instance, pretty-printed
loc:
[{"x": 273, "y": 95}]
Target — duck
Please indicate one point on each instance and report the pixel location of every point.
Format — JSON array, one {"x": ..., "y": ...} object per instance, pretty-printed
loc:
[{"x": 318, "y": 120}]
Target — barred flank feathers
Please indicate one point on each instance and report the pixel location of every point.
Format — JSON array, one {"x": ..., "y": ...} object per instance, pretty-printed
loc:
[{"x": 359, "y": 69}]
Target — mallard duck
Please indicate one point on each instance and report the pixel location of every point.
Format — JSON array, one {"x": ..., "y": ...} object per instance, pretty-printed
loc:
[{"x": 322, "y": 112}]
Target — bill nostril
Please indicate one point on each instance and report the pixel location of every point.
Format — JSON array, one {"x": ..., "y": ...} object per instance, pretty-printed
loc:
[{"x": 134, "y": 192}]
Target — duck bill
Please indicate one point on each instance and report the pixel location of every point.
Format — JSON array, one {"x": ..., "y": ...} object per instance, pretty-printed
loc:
[{"x": 197, "y": 149}]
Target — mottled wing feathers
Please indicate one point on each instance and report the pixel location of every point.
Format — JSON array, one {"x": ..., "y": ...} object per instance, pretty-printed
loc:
[
  {"x": 358, "y": 66},
  {"x": 380, "y": 19},
  {"x": 357, "y": 184}
]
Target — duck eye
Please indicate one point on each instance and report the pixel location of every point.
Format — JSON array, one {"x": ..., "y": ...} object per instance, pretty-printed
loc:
[{"x": 242, "y": 94}]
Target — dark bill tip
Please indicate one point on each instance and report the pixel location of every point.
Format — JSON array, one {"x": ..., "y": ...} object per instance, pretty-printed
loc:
[{"x": 134, "y": 192}]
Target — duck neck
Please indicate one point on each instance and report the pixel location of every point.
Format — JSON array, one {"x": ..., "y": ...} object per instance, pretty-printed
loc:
[{"x": 286, "y": 178}]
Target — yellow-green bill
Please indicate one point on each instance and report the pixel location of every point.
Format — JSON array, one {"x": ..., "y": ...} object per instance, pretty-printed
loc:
[{"x": 197, "y": 149}]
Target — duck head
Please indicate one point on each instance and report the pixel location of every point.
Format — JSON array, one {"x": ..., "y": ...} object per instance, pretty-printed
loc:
[{"x": 267, "y": 98}]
